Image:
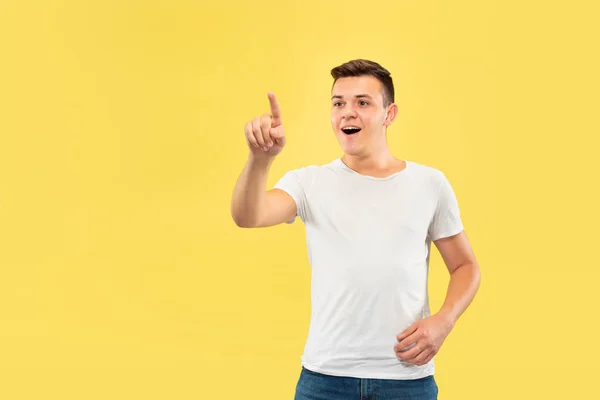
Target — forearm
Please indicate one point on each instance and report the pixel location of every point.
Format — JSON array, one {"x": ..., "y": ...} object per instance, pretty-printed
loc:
[
  {"x": 249, "y": 194},
  {"x": 463, "y": 285}
]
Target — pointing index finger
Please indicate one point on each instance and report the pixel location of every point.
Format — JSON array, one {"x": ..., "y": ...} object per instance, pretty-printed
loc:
[{"x": 275, "y": 112}]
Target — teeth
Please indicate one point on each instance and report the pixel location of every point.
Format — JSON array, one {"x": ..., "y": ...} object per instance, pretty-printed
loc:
[{"x": 350, "y": 130}]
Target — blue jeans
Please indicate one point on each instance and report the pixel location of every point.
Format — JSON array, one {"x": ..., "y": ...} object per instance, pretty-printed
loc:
[{"x": 316, "y": 386}]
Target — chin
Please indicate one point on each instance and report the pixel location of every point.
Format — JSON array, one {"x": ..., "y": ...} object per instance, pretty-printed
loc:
[{"x": 352, "y": 151}]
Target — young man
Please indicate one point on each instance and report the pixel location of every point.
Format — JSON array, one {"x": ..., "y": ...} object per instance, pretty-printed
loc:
[{"x": 370, "y": 219}]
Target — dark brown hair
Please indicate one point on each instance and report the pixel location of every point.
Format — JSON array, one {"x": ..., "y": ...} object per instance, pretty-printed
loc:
[{"x": 363, "y": 67}]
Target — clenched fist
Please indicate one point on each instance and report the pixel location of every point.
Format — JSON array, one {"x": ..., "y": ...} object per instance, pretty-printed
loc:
[{"x": 265, "y": 134}]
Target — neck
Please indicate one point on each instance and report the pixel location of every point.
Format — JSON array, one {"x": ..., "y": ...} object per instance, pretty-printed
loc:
[{"x": 380, "y": 160}]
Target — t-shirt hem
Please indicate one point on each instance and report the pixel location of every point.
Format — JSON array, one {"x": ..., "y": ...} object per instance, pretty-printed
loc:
[
  {"x": 423, "y": 373},
  {"x": 449, "y": 233},
  {"x": 296, "y": 200}
]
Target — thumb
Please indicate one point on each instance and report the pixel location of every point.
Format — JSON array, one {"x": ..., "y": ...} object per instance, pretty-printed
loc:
[{"x": 278, "y": 135}]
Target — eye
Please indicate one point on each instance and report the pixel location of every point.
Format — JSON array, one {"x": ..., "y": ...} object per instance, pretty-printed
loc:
[
  {"x": 336, "y": 103},
  {"x": 362, "y": 102}
]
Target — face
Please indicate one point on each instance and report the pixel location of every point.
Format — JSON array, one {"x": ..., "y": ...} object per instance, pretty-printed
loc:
[{"x": 358, "y": 102}]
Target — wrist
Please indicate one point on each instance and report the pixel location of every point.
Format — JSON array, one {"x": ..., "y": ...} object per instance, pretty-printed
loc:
[
  {"x": 260, "y": 160},
  {"x": 448, "y": 316}
]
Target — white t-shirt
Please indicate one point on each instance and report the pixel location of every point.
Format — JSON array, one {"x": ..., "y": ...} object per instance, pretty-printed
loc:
[{"x": 368, "y": 242}]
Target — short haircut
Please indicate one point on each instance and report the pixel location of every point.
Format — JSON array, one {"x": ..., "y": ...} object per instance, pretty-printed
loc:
[{"x": 361, "y": 67}]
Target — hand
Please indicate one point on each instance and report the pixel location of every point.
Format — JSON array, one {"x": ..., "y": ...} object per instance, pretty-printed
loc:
[
  {"x": 426, "y": 337},
  {"x": 265, "y": 135}
]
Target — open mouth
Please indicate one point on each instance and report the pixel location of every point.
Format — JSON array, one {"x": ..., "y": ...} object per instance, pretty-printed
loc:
[{"x": 350, "y": 130}]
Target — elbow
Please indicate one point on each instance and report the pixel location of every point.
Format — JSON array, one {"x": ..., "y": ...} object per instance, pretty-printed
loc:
[
  {"x": 239, "y": 221},
  {"x": 476, "y": 276},
  {"x": 244, "y": 217},
  {"x": 242, "y": 222}
]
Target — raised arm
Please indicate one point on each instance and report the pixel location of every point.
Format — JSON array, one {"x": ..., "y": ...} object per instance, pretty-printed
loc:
[{"x": 252, "y": 206}]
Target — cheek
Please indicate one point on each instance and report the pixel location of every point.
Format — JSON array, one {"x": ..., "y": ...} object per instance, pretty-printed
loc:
[
  {"x": 372, "y": 120},
  {"x": 335, "y": 120}
]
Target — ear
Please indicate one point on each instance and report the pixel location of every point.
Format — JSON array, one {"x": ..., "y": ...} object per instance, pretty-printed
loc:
[{"x": 391, "y": 114}]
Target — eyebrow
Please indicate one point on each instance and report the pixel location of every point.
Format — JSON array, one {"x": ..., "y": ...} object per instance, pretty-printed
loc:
[{"x": 357, "y": 96}]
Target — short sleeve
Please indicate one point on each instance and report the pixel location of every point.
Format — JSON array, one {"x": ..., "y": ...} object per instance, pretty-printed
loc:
[
  {"x": 446, "y": 220},
  {"x": 291, "y": 183}
]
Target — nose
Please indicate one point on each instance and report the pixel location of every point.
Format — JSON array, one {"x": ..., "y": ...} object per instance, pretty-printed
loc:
[{"x": 349, "y": 112}]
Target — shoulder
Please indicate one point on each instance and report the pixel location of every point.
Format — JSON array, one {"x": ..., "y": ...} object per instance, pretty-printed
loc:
[
  {"x": 315, "y": 170},
  {"x": 427, "y": 174},
  {"x": 305, "y": 178}
]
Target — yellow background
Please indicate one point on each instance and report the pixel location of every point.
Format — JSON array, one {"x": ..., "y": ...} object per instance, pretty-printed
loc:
[{"x": 123, "y": 275}]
